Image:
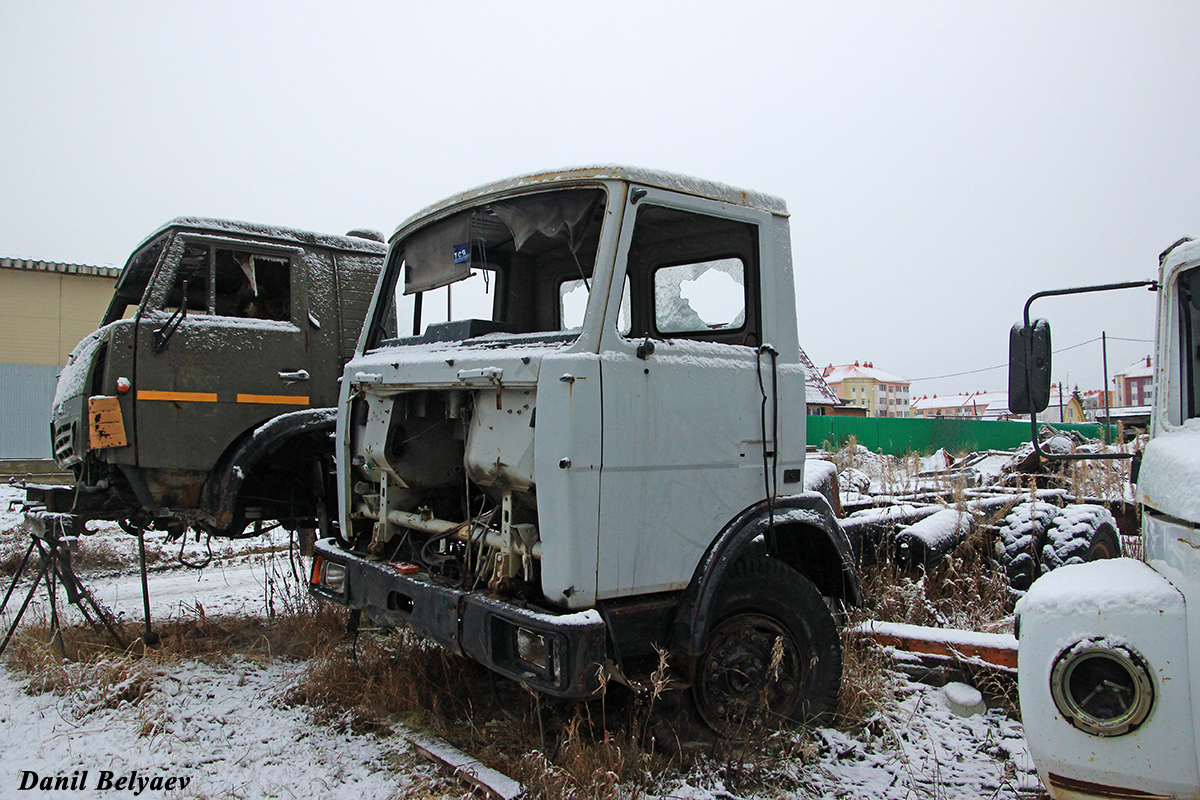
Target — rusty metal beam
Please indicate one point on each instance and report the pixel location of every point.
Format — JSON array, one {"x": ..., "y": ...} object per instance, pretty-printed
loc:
[{"x": 995, "y": 650}]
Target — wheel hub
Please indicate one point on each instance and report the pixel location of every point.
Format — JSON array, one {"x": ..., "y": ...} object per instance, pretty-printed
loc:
[{"x": 750, "y": 673}]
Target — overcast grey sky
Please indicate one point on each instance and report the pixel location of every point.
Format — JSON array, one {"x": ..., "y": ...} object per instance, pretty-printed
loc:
[{"x": 941, "y": 161}]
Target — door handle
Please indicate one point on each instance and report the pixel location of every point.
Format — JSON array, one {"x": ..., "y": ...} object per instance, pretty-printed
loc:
[{"x": 292, "y": 377}]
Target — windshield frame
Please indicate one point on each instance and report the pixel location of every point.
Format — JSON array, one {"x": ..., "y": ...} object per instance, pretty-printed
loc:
[
  {"x": 589, "y": 257},
  {"x": 122, "y": 300}
]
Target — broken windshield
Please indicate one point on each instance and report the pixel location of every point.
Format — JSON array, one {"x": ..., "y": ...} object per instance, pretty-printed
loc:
[
  {"x": 519, "y": 265},
  {"x": 131, "y": 286}
]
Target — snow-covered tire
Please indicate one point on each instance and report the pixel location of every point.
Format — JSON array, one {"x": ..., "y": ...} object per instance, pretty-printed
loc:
[
  {"x": 1079, "y": 534},
  {"x": 854, "y": 480},
  {"x": 1020, "y": 539}
]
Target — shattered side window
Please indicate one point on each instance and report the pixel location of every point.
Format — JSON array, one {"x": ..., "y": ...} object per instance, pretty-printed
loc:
[
  {"x": 573, "y": 299},
  {"x": 692, "y": 275},
  {"x": 694, "y": 298},
  {"x": 572, "y": 303},
  {"x": 231, "y": 283},
  {"x": 624, "y": 314},
  {"x": 252, "y": 286}
]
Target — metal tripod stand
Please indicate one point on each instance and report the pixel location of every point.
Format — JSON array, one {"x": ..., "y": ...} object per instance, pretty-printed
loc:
[{"x": 47, "y": 532}]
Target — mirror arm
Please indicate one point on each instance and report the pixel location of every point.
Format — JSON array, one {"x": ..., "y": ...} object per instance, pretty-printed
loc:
[
  {"x": 1105, "y": 287},
  {"x": 163, "y": 335}
]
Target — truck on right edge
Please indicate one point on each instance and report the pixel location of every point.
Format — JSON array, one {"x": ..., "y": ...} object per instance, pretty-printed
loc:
[{"x": 1109, "y": 651}]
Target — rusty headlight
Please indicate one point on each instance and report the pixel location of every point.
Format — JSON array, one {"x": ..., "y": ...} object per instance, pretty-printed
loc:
[{"x": 1102, "y": 687}]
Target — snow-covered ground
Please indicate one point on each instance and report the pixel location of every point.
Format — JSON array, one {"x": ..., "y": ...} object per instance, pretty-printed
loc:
[
  {"x": 227, "y": 730},
  {"x": 220, "y": 729}
]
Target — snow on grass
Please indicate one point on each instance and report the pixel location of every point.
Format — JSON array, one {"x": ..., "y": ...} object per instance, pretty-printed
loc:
[
  {"x": 222, "y": 727},
  {"x": 915, "y": 748},
  {"x": 239, "y": 576},
  {"x": 922, "y": 749}
]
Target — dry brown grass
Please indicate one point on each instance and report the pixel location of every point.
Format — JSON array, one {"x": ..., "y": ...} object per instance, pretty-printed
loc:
[
  {"x": 1107, "y": 479},
  {"x": 91, "y": 553},
  {"x": 843, "y": 457},
  {"x": 868, "y": 682},
  {"x": 96, "y": 554},
  {"x": 559, "y": 750},
  {"x": 38, "y": 652},
  {"x": 966, "y": 590}
]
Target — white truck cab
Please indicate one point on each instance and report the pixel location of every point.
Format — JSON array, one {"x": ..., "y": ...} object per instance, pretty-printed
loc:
[
  {"x": 574, "y": 432},
  {"x": 1109, "y": 658}
]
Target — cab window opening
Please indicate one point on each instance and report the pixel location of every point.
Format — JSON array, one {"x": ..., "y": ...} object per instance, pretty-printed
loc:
[
  {"x": 691, "y": 275},
  {"x": 502, "y": 267},
  {"x": 1189, "y": 349},
  {"x": 231, "y": 283}
]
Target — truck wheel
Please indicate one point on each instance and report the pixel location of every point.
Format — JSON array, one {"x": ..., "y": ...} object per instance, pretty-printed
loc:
[
  {"x": 1020, "y": 539},
  {"x": 773, "y": 655},
  {"x": 1079, "y": 534}
]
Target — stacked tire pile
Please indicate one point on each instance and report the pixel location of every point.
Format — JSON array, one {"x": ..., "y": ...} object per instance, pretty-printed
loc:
[{"x": 1038, "y": 537}]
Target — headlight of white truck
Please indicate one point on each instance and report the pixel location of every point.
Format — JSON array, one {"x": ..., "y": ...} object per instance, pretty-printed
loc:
[{"x": 1102, "y": 687}]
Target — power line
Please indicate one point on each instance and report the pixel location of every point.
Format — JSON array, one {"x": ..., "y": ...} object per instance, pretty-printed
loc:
[
  {"x": 1005, "y": 365},
  {"x": 957, "y": 374}
]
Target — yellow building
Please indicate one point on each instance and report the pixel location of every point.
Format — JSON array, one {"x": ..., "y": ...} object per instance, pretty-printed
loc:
[
  {"x": 45, "y": 309},
  {"x": 881, "y": 393}
]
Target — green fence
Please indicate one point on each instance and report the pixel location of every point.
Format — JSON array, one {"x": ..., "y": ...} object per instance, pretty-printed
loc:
[{"x": 895, "y": 436}]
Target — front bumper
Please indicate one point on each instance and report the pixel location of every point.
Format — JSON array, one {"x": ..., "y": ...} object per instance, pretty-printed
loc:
[
  {"x": 559, "y": 655},
  {"x": 1126, "y": 605}
]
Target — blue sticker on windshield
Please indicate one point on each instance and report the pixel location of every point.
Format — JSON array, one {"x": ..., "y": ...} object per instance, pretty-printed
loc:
[{"x": 462, "y": 253}]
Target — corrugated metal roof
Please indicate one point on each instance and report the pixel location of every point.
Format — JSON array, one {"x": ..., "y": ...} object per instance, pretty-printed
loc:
[{"x": 59, "y": 267}]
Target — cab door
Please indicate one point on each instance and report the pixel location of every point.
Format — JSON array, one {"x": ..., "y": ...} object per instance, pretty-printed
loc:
[
  {"x": 683, "y": 448},
  {"x": 221, "y": 348}
]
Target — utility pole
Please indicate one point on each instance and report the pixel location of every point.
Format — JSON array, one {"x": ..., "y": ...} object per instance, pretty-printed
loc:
[{"x": 1107, "y": 405}]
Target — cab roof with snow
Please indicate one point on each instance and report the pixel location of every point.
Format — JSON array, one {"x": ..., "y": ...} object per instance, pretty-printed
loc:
[
  {"x": 272, "y": 232},
  {"x": 583, "y": 175}
]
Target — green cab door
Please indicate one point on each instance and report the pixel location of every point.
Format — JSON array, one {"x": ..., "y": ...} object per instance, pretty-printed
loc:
[{"x": 223, "y": 345}]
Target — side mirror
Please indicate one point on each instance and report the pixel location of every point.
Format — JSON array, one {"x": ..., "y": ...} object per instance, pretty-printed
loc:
[{"x": 1029, "y": 367}]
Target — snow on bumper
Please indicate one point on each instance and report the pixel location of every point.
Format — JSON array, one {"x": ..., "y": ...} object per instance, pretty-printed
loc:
[
  {"x": 560, "y": 655},
  {"x": 1124, "y": 608}
]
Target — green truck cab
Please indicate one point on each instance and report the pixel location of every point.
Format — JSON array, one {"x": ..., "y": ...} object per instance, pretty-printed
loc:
[{"x": 207, "y": 395}]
